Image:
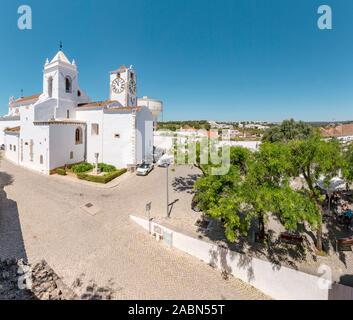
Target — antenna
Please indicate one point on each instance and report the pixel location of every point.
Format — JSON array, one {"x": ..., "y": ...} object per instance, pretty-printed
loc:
[{"x": 21, "y": 93}]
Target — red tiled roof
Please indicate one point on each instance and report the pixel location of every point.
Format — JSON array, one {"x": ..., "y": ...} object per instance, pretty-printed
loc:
[{"x": 28, "y": 98}]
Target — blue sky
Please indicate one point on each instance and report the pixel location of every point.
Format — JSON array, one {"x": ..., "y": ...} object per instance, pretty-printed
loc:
[{"x": 206, "y": 59}]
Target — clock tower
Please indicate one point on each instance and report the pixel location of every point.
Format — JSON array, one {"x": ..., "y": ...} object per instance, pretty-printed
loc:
[{"x": 123, "y": 86}]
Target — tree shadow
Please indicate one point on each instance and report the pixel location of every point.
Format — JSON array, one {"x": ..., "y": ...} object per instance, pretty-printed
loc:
[
  {"x": 335, "y": 231},
  {"x": 185, "y": 184},
  {"x": 272, "y": 249},
  {"x": 92, "y": 291},
  {"x": 11, "y": 238}
]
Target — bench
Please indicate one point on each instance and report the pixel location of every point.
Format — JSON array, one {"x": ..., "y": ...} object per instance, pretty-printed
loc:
[
  {"x": 344, "y": 244},
  {"x": 291, "y": 238}
]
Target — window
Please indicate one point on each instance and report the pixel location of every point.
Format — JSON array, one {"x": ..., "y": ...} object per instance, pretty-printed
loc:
[
  {"x": 68, "y": 84},
  {"x": 78, "y": 136},
  {"x": 41, "y": 159},
  {"x": 79, "y": 93},
  {"x": 117, "y": 136},
  {"x": 68, "y": 114},
  {"x": 11, "y": 147},
  {"x": 50, "y": 87},
  {"x": 71, "y": 155},
  {"x": 95, "y": 129},
  {"x": 14, "y": 148}
]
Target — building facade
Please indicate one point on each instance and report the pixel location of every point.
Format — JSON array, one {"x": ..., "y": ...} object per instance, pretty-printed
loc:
[{"x": 62, "y": 126}]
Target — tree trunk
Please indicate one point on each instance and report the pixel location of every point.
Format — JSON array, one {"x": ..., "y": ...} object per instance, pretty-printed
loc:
[
  {"x": 261, "y": 227},
  {"x": 319, "y": 236}
]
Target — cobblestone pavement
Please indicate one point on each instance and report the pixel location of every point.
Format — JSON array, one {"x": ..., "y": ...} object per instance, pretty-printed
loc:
[{"x": 45, "y": 218}]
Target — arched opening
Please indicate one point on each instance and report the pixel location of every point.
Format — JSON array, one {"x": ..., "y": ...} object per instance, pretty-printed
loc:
[
  {"x": 79, "y": 93},
  {"x": 78, "y": 136},
  {"x": 68, "y": 84},
  {"x": 50, "y": 87}
]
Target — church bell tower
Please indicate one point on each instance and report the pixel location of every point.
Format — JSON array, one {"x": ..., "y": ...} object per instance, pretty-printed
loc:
[{"x": 123, "y": 86}]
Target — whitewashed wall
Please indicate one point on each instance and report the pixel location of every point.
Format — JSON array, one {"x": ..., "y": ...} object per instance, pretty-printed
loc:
[
  {"x": 45, "y": 110},
  {"x": 144, "y": 135},
  {"x": 4, "y": 125},
  {"x": 39, "y": 135},
  {"x": 13, "y": 153},
  {"x": 281, "y": 284},
  {"x": 63, "y": 142},
  {"x": 94, "y": 142},
  {"x": 118, "y": 151}
]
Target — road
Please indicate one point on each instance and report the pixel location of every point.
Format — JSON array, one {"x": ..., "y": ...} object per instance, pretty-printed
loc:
[{"x": 41, "y": 217}]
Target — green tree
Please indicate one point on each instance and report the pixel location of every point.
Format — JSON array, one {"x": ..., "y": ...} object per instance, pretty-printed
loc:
[
  {"x": 347, "y": 170},
  {"x": 313, "y": 158},
  {"x": 289, "y": 130}
]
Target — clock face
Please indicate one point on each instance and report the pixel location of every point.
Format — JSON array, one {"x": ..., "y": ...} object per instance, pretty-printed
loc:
[
  {"x": 132, "y": 87},
  {"x": 118, "y": 85}
]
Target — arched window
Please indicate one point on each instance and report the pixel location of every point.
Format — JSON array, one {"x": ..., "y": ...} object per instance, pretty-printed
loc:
[
  {"x": 50, "y": 87},
  {"x": 78, "y": 136},
  {"x": 68, "y": 84},
  {"x": 79, "y": 93}
]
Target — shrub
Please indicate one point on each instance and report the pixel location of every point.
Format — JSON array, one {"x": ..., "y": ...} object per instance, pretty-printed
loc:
[
  {"x": 61, "y": 171},
  {"x": 101, "y": 179},
  {"x": 82, "y": 167},
  {"x": 106, "y": 167}
]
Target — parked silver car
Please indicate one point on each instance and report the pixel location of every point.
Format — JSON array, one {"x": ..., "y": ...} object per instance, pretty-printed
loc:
[{"x": 144, "y": 169}]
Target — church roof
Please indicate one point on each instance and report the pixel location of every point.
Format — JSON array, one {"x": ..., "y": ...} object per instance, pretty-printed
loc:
[
  {"x": 120, "y": 70},
  {"x": 13, "y": 130},
  {"x": 104, "y": 105},
  {"x": 60, "y": 56},
  {"x": 97, "y": 104},
  {"x": 28, "y": 98}
]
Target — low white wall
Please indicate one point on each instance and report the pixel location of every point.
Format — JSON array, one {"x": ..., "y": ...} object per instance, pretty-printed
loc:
[{"x": 281, "y": 284}]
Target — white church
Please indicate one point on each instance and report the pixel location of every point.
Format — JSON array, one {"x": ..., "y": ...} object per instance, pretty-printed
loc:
[{"x": 62, "y": 126}]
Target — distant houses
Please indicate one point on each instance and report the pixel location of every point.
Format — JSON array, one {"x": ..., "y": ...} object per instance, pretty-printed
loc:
[{"x": 342, "y": 132}]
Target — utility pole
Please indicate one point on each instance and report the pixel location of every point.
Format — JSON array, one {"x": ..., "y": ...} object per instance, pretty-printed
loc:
[{"x": 167, "y": 190}]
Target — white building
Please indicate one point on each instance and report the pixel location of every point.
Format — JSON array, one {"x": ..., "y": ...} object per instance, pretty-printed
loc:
[{"x": 62, "y": 126}]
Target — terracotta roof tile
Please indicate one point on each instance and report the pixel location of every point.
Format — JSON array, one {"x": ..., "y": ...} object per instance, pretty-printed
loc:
[
  {"x": 28, "y": 98},
  {"x": 15, "y": 129}
]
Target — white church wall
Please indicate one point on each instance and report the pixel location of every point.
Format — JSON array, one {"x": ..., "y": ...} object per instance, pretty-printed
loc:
[
  {"x": 11, "y": 142},
  {"x": 94, "y": 141},
  {"x": 63, "y": 147},
  {"x": 65, "y": 110},
  {"x": 144, "y": 136},
  {"x": 45, "y": 110},
  {"x": 34, "y": 147},
  {"x": 118, "y": 139},
  {"x": 4, "y": 125}
]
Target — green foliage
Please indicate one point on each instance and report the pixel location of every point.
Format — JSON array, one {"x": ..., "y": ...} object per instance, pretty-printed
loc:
[
  {"x": 106, "y": 167},
  {"x": 82, "y": 167},
  {"x": 101, "y": 179},
  {"x": 348, "y": 163},
  {"x": 289, "y": 130},
  {"x": 176, "y": 125},
  {"x": 61, "y": 171}
]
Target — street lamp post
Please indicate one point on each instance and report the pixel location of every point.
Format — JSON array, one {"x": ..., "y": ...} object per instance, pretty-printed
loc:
[{"x": 167, "y": 186}]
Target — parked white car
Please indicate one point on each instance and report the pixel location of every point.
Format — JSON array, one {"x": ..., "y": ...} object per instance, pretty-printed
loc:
[
  {"x": 144, "y": 169},
  {"x": 165, "y": 161}
]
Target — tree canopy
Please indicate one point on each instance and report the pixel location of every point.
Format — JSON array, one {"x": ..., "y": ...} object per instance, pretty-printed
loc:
[{"x": 289, "y": 130}]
